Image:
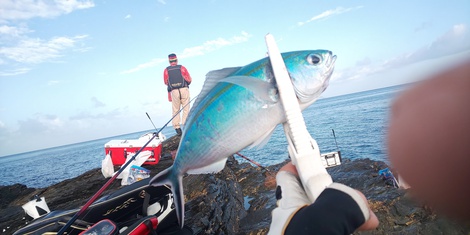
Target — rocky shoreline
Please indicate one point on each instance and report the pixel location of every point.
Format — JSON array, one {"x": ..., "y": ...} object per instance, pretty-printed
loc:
[{"x": 239, "y": 199}]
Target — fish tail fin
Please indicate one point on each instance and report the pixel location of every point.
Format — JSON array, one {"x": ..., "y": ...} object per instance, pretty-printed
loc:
[
  {"x": 170, "y": 177},
  {"x": 179, "y": 200}
]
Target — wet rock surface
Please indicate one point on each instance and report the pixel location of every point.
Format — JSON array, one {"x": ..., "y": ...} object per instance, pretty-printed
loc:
[{"x": 239, "y": 199}]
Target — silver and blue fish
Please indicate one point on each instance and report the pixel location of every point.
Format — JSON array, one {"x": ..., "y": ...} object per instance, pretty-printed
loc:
[{"x": 240, "y": 107}]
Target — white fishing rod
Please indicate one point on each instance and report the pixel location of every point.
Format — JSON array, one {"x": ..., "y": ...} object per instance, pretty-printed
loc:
[{"x": 303, "y": 149}]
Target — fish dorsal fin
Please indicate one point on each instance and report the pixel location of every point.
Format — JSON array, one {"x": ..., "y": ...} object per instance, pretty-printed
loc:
[
  {"x": 262, "y": 89},
  {"x": 212, "y": 168},
  {"x": 263, "y": 140},
  {"x": 212, "y": 78}
]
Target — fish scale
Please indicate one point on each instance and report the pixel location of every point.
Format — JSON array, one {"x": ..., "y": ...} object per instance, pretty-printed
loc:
[
  {"x": 239, "y": 107},
  {"x": 226, "y": 137}
]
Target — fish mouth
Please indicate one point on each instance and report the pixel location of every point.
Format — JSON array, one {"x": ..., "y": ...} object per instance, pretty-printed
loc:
[{"x": 330, "y": 63}]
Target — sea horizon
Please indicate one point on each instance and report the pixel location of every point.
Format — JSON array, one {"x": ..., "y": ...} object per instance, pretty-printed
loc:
[
  {"x": 359, "y": 122},
  {"x": 153, "y": 130}
]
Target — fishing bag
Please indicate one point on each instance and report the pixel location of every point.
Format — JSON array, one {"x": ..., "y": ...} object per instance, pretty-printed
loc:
[{"x": 136, "y": 207}]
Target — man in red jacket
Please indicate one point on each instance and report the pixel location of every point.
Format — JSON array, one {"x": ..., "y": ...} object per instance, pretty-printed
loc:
[{"x": 177, "y": 78}]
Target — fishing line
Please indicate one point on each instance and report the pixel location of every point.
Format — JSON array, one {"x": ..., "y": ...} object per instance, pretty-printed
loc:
[
  {"x": 270, "y": 180},
  {"x": 173, "y": 115},
  {"x": 106, "y": 185},
  {"x": 257, "y": 164}
]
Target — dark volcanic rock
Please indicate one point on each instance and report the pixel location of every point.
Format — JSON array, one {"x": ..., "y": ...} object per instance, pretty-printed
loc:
[
  {"x": 239, "y": 199},
  {"x": 214, "y": 202}
]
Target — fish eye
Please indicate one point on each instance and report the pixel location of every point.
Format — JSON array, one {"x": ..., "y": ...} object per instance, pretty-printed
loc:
[{"x": 313, "y": 59}]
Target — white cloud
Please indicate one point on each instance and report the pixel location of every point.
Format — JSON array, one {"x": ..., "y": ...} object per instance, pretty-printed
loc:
[
  {"x": 454, "y": 41},
  {"x": 3, "y": 131},
  {"x": 97, "y": 103},
  {"x": 40, "y": 124},
  {"x": 49, "y": 124},
  {"x": 45, "y": 125},
  {"x": 162, "y": 2},
  {"x": 53, "y": 82},
  {"x": 127, "y": 17},
  {"x": 149, "y": 64},
  {"x": 206, "y": 47},
  {"x": 13, "y": 31},
  {"x": 14, "y": 72},
  {"x": 18, "y": 49},
  {"x": 27, "y": 9},
  {"x": 357, "y": 72},
  {"x": 86, "y": 116},
  {"x": 213, "y": 45},
  {"x": 423, "y": 26},
  {"x": 33, "y": 51},
  {"x": 328, "y": 13}
]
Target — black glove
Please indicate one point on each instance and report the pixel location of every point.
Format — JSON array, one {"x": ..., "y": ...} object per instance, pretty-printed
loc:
[{"x": 338, "y": 210}]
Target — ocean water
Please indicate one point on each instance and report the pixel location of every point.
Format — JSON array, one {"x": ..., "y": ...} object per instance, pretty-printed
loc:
[{"x": 358, "y": 121}]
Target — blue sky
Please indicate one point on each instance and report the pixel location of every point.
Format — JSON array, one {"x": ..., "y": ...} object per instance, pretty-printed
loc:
[{"x": 79, "y": 70}]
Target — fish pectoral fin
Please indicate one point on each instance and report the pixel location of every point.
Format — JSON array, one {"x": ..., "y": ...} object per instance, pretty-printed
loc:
[
  {"x": 212, "y": 168},
  {"x": 212, "y": 78},
  {"x": 221, "y": 73},
  {"x": 263, "y": 140},
  {"x": 262, "y": 89}
]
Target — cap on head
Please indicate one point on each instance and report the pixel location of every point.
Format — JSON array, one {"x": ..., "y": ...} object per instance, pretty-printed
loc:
[{"x": 172, "y": 58}]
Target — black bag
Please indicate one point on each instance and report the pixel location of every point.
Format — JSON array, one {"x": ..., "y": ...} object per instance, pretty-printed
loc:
[{"x": 125, "y": 207}]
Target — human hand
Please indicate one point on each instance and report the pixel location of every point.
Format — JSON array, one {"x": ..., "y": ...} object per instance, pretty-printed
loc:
[
  {"x": 339, "y": 206},
  {"x": 428, "y": 140}
]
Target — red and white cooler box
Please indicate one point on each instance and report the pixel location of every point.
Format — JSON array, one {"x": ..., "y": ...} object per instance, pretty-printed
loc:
[{"x": 120, "y": 150}]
